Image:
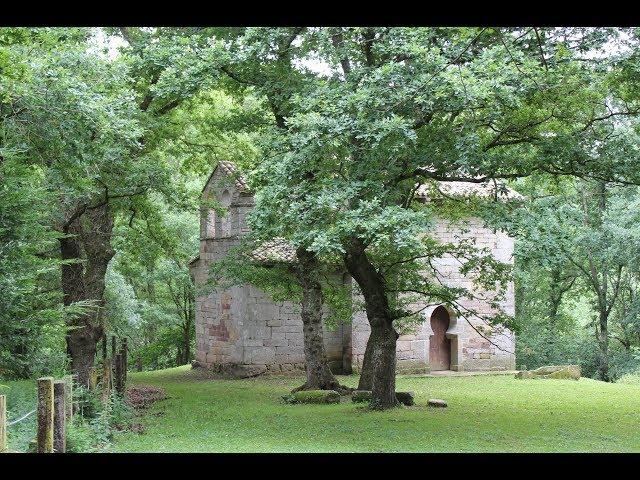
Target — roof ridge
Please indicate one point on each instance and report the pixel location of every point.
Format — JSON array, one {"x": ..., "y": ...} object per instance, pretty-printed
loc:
[{"x": 229, "y": 168}]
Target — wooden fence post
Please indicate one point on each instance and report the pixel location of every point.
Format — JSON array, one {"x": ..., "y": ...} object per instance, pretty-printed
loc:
[
  {"x": 59, "y": 417},
  {"x": 106, "y": 380},
  {"x": 45, "y": 415},
  {"x": 118, "y": 376},
  {"x": 68, "y": 401},
  {"x": 3, "y": 423}
]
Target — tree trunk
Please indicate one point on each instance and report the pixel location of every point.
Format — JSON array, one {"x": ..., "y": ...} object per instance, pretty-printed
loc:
[
  {"x": 555, "y": 298},
  {"x": 366, "y": 372},
  {"x": 87, "y": 245},
  {"x": 382, "y": 341},
  {"x": 82, "y": 348},
  {"x": 187, "y": 346},
  {"x": 603, "y": 351},
  {"x": 319, "y": 375},
  {"x": 604, "y": 303},
  {"x": 384, "y": 360}
]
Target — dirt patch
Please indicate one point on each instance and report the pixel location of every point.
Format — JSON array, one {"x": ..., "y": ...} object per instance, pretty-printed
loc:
[
  {"x": 137, "y": 428},
  {"x": 141, "y": 397}
]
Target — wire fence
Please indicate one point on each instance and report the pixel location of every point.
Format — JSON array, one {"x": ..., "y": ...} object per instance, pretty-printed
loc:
[
  {"x": 24, "y": 417},
  {"x": 55, "y": 401}
]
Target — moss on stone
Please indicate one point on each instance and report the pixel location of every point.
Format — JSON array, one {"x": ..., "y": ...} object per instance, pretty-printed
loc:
[
  {"x": 553, "y": 372},
  {"x": 565, "y": 373},
  {"x": 405, "y": 398},
  {"x": 288, "y": 398},
  {"x": 316, "y": 396},
  {"x": 361, "y": 396}
]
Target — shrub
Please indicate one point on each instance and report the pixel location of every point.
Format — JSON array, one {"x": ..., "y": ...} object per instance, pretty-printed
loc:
[
  {"x": 121, "y": 414},
  {"x": 630, "y": 379},
  {"x": 81, "y": 437},
  {"x": 87, "y": 401},
  {"x": 95, "y": 424}
]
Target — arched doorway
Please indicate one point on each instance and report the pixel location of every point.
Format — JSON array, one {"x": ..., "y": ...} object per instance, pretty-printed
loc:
[{"x": 439, "y": 344}]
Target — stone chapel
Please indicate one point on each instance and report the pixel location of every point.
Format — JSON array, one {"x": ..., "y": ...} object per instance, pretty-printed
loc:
[{"x": 243, "y": 329}]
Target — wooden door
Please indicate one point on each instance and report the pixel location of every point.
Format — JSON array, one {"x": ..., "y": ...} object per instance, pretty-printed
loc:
[{"x": 439, "y": 344}]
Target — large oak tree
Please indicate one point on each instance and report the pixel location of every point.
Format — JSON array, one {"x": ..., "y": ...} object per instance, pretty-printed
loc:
[{"x": 364, "y": 116}]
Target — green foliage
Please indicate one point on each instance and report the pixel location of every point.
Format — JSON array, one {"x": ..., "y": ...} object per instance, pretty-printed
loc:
[
  {"x": 336, "y": 128},
  {"x": 81, "y": 128},
  {"x": 630, "y": 378},
  {"x": 88, "y": 402},
  {"x": 30, "y": 321},
  {"x": 346, "y": 148},
  {"x": 21, "y": 399},
  {"x": 578, "y": 247},
  {"x": 538, "y": 346},
  {"x": 81, "y": 438},
  {"x": 96, "y": 424},
  {"x": 237, "y": 267},
  {"x": 68, "y": 127},
  {"x": 150, "y": 295}
]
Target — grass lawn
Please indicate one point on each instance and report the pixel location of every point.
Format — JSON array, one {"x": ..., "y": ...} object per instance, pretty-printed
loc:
[{"x": 485, "y": 414}]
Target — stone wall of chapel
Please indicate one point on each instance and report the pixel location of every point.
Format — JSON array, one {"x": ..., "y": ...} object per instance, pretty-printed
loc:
[
  {"x": 469, "y": 349},
  {"x": 243, "y": 325}
]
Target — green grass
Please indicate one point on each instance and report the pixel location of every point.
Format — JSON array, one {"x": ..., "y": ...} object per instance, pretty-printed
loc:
[{"x": 485, "y": 414}]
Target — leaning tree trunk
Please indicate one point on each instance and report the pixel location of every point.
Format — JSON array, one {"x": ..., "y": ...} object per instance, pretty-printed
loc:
[
  {"x": 366, "y": 371},
  {"x": 87, "y": 247},
  {"x": 382, "y": 340},
  {"x": 319, "y": 375}
]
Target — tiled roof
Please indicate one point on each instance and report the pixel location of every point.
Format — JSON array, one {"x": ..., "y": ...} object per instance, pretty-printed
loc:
[
  {"x": 276, "y": 250},
  {"x": 229, "y": 169}
]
